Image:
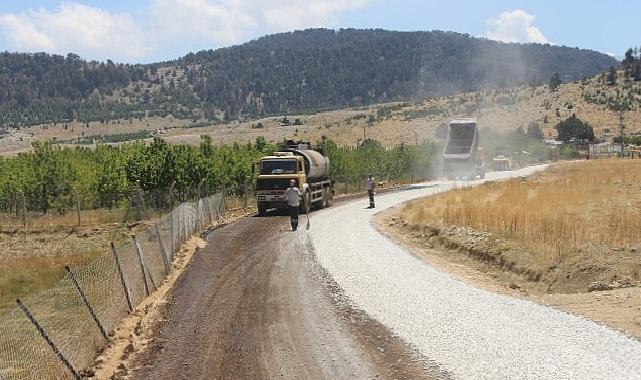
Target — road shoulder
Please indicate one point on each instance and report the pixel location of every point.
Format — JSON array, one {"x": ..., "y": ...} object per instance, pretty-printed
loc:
[{"x": 619, "y": 309}]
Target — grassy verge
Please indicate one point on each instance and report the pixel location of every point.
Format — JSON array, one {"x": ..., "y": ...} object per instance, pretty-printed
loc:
[
  {"x": 570, "y": 226},
  {"x": 33, "y": 260},
  {"x": 69, "y": 218}
]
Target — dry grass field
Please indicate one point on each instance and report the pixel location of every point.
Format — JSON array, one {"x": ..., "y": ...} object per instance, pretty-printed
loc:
[
  {"x": 573, "y": 224},
  {"x": 34, "y": 259}
]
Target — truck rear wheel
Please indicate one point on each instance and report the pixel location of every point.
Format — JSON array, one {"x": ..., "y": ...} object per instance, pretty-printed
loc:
[{"x": 262, "y": 209}]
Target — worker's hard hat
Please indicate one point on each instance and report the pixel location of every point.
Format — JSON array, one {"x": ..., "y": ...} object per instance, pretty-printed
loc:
[{"x": 292, "y": 182}]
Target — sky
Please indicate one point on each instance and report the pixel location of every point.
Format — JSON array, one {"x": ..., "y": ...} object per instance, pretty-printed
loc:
[{"x": 143, "y": 31}]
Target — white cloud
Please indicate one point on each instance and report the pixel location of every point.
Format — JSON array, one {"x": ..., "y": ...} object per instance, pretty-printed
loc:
[
  {"x": 232, "y": 21},
  {"x": 22, "y": 32},
  {"x": 515, "y": 26},
  {"x": 90, "y": 32},
  {"x": 94, "y": 33},
  {"x": 218, "y": 22},
  {"x": 282, "y": 15}
]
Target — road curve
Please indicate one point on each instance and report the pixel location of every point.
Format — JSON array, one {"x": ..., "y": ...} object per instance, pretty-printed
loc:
[{"x": 469, "y": 332}]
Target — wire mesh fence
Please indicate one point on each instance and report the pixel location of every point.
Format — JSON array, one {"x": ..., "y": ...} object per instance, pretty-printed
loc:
[
  {"x": 56, "y": 334},
  {"x": 136, "y": 205}
]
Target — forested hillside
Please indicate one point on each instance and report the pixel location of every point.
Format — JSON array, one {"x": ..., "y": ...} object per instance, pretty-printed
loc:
[
  {"x": 40, "y": 87},
  {"x": 324, "y": 68},
  {"x": 289, "y": 72}
]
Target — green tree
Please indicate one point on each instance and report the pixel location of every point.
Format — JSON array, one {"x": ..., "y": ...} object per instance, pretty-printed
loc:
[
  {"x": 574, "y": 128},
  {"x": 54, "y": 177},
  {"x": 112, "y": 182},
  {"x": 206, "y": 148},
  {"x": 261, "y": 144},
  {"x": 555, "y": 82},
  {"x": 612, "y": 76},
  {"x": 534, "y": 131}
]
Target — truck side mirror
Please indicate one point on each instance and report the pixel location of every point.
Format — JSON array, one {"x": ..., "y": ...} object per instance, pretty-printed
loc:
[{"x": 253, "y": 168}]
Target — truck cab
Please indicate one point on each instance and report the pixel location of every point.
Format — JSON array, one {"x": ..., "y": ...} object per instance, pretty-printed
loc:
[
  {"x": 275, "y": 172},
  {"x": 300, "y": 162}
]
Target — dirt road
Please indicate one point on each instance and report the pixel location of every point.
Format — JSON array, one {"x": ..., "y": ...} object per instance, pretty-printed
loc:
[{"x": 255, "y": 304}]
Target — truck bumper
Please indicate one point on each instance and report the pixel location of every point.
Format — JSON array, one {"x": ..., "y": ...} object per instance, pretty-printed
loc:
[
  {"x": 462, "y": 168},
  {"x": 271, "y": 200},
  {"x": 278, "y": 205}
]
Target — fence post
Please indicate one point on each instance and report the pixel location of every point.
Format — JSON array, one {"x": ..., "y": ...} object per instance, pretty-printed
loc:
[
  {"x": 163, "y": 251},
  {"x": 181, "y": 224},
  {"x": 78, "y": 207},
  {"x": 122, "y": 277},
  {"x": 202, "y": 216},
  {"x": 217, "y": 207},
  {"x": 172, "y": 227},
  {"x": 24, "y": 209},
  {"x": 86, "y": 301},
  {"x": 142, "y": 265},
  {"x": 177, "y": 228},
  {"x": 222, "y": 202},
  {"x": 171, "y": 213},
  {"x": 44, "y": 335},
  {"x": 198, "y": 215}
]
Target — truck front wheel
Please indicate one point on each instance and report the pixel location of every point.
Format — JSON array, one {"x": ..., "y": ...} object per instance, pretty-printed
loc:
[
  {"x": 325, "y": 201},
  {"x": 306, "y": 203},
  {"x": 262, "y": 209}
]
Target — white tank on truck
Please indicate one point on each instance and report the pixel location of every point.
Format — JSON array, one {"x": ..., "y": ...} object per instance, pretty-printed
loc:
[
  {"x": 299, "y": 161},
  {"x": 462, "y": 156}
]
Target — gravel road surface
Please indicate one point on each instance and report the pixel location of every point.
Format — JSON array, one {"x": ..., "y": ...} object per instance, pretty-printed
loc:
[
  {"x": 469, "y": 332},
  {"x": 255, "y": 304}
]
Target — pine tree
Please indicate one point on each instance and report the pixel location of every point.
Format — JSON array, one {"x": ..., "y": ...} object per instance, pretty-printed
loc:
[
  {"x": 555, "y": 82},
  {"x": 612, "y": 76}
]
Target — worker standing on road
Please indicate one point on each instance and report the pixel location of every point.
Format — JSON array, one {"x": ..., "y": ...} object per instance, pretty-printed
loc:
[
  {"x": 293, "y": 203},
  {"x": 371, "y": 186}
]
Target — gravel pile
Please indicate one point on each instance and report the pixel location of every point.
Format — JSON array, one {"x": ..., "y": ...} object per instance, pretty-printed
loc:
[{"x": 470, "y": 332}]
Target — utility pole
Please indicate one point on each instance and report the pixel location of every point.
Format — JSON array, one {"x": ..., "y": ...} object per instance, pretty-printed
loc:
[{"x": 622, "y": 127}]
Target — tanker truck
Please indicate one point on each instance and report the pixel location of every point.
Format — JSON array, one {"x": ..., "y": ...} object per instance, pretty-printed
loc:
[
  {"x": 304, "y": 164},
  {"x": 462, "y": 156}
]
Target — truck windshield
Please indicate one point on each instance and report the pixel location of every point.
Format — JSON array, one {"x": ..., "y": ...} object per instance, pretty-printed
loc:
[{"x": 278, "y": 167}]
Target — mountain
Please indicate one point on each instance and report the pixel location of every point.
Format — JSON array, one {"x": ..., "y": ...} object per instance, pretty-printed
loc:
[{"x": 300, "y": 71}]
